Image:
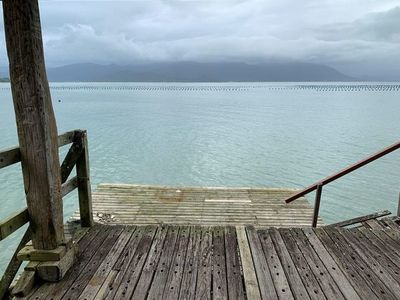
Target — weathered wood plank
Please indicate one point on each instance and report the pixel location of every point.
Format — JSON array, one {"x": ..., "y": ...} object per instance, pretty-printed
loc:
[
  {"x": 233, "y": 276},
  {"x": 351, "y": 270},
  {"x": 374, "y": 224},
  {"x": 189, "y": 277},
  {"x": 100, "y": 277},
  {"x": 87, "y": 245},
  {"x": 287, "y": 286},
  {"x": 9, "y": 157},
  {"x": 360, "y": 219},
  {"x": 173, "y": 284},
  {"x": 71, "y": 158},
  {"x": 13, "y": 223},
  {"x": 265, "y": 283},
  {"x": 326, "y": 282},
  {"x": 381, "y": 272},
  {"x": 160, "y": 278},
  {"x": 391, "y": 224},
  {"x": 220, "y": 288},
  {"x": 124, "y": 260},
  {"x": 259, "y": 263},
  {"x": 87, "y": 273},
  {"x": 104, "y": 289},
  {"x": 283, "y": 239},
  {"x": 331, "y": 266},
  {"x": 297, "y": 286},
  {"x": 151, "y": 264},
  {"x": 363, "y": 268},
  {"x": 25, "y": 284},
  {"x": 352, "y": 263},
  {"x": 37, "y": 130},
  {"x": 67, "y": 138},
  {"x": 378, "y": 263},
  {"x": 389, "y": 249},
  {"x": 131, "y": 277},
  {"x": 203, "y": 287},
  {"x": 69, "y": 186}
]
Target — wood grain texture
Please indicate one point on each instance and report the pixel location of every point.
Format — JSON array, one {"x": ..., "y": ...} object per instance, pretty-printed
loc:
[
  {"x": 140, "y": 204},
  {"x": 36, "y": 124},
  {"x": 193, "y": 262},
  {"x": 9, "y": 157}
]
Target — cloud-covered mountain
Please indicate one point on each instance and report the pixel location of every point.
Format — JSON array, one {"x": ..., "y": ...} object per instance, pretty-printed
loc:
[
  {"x": 196, "y": 72},
  {"x": 356, "y": 37}
]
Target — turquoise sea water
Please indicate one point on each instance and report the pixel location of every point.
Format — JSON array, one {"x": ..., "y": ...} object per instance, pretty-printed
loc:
[{"x": 230, "y": 134}]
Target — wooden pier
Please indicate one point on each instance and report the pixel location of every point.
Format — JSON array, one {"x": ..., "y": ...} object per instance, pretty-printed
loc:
[
  {"x": 233, "y": 262},
  {"x": 157, "y": 205},
  {"x": 146, "y": 242}
]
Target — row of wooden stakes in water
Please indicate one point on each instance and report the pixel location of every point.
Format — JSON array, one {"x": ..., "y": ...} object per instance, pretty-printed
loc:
[{"x": 319, "y": 88}]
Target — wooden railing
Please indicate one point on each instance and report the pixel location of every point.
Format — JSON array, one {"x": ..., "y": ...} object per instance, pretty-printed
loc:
[
  {"x": 319, "y": 184},
  {"x": 77, "y": 156}
]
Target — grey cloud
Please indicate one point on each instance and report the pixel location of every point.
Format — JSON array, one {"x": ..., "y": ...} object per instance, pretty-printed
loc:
[
  {"x": 382, "y": 27},
  {"x": 356, "y": 36}
]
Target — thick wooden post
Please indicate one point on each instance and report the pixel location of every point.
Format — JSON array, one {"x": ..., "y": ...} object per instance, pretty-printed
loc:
[{"x": 37, "y": 130}]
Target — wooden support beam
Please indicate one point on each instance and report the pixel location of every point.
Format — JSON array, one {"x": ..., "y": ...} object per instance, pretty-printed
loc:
[
  {"x": 55, "y": 270},
  {"x": 28, "y": 253},
  {"x": 36, "y": 124}
]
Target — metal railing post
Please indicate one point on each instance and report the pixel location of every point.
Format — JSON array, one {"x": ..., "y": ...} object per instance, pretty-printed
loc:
[{"x": 317, "y": 205}]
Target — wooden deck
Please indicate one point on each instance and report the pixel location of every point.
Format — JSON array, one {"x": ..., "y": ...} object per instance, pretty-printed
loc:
[
  {"x": 202, "y": 262},
  {"x": 138, "y": 204}
]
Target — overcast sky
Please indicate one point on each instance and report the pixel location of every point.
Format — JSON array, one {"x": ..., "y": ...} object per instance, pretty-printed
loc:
[{"x": 358, "y": 37}]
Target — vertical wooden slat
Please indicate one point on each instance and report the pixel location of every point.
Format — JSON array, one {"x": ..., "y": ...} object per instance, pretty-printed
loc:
[
  {"x": 84, "y": 189},
  {"x": 36, "y": 124}
]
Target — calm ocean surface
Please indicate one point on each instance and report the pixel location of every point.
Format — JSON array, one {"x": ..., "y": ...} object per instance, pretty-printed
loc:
[{"x": 230, "y": 134}]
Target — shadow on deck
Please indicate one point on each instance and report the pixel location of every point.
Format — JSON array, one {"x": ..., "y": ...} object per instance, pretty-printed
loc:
[{"x": 228, "y": 262}]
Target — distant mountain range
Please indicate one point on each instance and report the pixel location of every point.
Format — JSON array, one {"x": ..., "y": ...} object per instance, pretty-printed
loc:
[{"x": 195, "y": 72}]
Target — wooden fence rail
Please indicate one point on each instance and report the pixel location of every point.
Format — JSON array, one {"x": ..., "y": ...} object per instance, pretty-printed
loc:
[{"x": 77, "y": 156}]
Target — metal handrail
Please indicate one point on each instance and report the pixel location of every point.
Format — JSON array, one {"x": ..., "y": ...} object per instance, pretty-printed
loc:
[{"x": 319, "y": 184}]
